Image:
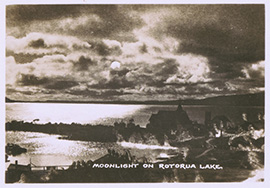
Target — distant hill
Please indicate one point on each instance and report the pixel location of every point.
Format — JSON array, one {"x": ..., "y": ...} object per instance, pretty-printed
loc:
[
  {"x": 9, "y": 100},
  {"x": 256, "y": 99},
  {"x": 231, "y": 100}
]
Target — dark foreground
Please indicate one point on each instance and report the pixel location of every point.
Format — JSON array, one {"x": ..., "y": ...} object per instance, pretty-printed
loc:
[
  {"x": 237, "y": 149},
  {"x": 214, "y": 163},
  {"x": 89, "y": 175}
]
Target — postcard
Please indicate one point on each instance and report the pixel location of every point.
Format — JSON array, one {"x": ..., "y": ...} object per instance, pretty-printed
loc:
[{"x": 134, "y": 93}]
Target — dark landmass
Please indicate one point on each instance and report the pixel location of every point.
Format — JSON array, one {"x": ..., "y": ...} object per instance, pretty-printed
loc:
[
  {"x": 14, "y": 149},
  {"x": 239, "y": 154},
  {"x": 231, "y": 165},
  {"x": 9, "y": 100},
  {"x": 69, "y": 131},
  {"x": 97, "y": 133},
  {"x": 164, "y": 126},
  {"x": 239, "y": 149},
  {"x": 230, "y": 100}
]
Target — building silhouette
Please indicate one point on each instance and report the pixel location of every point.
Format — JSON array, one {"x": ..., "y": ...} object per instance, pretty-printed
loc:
[{"x": 167, "y": 121}]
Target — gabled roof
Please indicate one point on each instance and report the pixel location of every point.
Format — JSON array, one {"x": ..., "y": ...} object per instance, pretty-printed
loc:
[{"x": 179, "y": 115}]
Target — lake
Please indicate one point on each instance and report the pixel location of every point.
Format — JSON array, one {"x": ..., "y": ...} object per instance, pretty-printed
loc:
[
  {"x": 45, "y": 149},
  {"x": 107, "y": 114}
]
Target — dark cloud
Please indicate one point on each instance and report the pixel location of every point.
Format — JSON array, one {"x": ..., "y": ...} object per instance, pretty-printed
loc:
[
  {"x": 162, "y": 90},
  {"x": 225, "y": 70},
  {"x": 166, "y": 68},
  {"x": 250, "y": 83},
  {"x": 83, "y": 63},
  {"x": 77, "y": 47},
  {"x": 147, "y": 75},
  {"x": 223, "y": 33},
  {"x": 84, "y": 92},
  {"x": 102, "y": 49},
  {"x": 156, "y": 75},
  {"x": 37, "y": 43},
  {"x": 22, "y": 58},
  {"x": 104, "y": 20},
  {"x": 114, "y": 83},
  {"x": 111, "y": 92},
  {"x": 143, "y": 49},
  {"x": 185, "y": 51},
  {"x": 119, "y": 73},
  {"x": 28, "y": 13},
  {"x": 12, "y": 90},
  {"x": 115, "y": 20},
  {"x": 31, "y": 80},
  {"x": 45, "y": 82},
  {"x": 95, "y": 93},
  {"x": 62, "y": 84},
  {"x": 257, "y": 75},
  {"x": 117, "y": 80},
  {"x": 254, "y": 74},
  {"x": 157, "y": 49}
]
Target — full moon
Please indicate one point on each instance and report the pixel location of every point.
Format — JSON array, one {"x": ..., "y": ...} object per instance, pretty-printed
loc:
[{"x": 115, "y": 65}]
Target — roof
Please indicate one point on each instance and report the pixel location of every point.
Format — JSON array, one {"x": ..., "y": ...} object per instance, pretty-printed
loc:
[
  {"x": 179, "y": 116},
  {"x": 19, "y": 167}
]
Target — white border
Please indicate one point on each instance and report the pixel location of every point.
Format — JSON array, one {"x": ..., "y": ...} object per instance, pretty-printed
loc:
[{"x": 3, "y": 3}]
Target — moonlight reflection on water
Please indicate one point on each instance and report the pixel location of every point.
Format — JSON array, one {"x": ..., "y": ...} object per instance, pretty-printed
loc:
[{"x": 44, "y": 149}]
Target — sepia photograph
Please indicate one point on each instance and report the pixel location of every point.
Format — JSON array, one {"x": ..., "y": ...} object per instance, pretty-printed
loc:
[{"x": 134, "y": 93}]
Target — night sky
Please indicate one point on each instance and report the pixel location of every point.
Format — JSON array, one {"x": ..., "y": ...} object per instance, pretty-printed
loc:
[{"x": 133, "y": 52}]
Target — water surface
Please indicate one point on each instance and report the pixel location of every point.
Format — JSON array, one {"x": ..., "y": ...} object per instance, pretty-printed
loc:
[{"x": 107, "y": 114}]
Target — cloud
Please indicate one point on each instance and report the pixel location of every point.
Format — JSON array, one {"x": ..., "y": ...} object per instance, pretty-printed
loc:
[
  {"x": 225, "y": 34},
  {"x": 163, "y": 50},
  {"x": 11, "y": 70},
  {"x": 106, "y": 47},
  {"x": 183, "y": 69},
  {"x": 101, "y": 21},
  {"x": 255, "y": 70},
  {"x": 42, "y": 43},
  {"x": 143, "y": 49},
  {"x": 255, "y": 73},
  {"x": 100, "y": 94},
  {"x": 83, "y": 92},
  {"x": 22, "y": 58},
  {"x": 191, "y": 69},
  {"x": 60, "y": 84},
  {"x": 39, "y": 43},
  {"x": 17, "y": 13},
  {"x": 46, "y": 66},
  {"x": 114, "y": 82},
  {"x": 51, "y": 66},
  {"x": 57, "y": 83},
  {"x": 31, "y": 80},
  {"x": 83, "y": 63}
]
